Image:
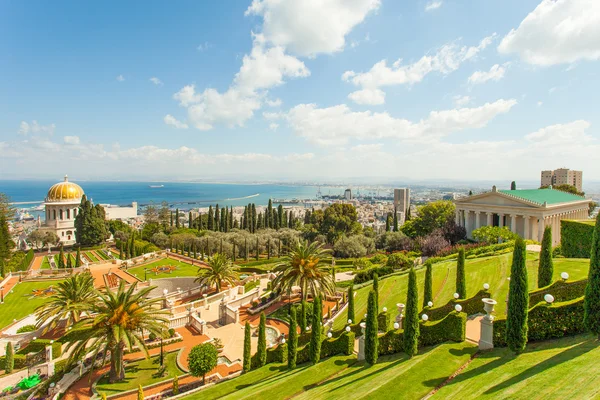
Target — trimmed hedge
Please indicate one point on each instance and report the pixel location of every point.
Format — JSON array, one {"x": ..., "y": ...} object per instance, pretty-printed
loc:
[
  {"x": 20, "y": 362},
  {"x": 35, "y": 346},
  {"x": 576, "y": 238},
  {"x": 367, "y": 275},
  {"x": 547, "y": 322},
  {"x": 383, "y": 321},
  {"x": 470, "y": 306},
  {"x": 344, "y": 344},
  {"x": 562, "y": 291}
]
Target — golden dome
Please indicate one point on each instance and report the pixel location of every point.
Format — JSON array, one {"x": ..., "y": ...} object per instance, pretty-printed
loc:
[{"x": 64, "y": 191}]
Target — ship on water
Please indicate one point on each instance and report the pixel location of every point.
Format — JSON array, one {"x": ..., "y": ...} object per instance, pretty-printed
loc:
[{"x": 156, "y": 186}]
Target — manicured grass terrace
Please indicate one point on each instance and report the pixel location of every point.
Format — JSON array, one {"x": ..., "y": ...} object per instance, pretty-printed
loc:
[
  {"x": 20, "y": 303},
  {"x": 183, "y": 269}
]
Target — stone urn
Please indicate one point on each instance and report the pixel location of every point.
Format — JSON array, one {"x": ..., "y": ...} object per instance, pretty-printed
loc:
[{"x": 488, "y": 306}]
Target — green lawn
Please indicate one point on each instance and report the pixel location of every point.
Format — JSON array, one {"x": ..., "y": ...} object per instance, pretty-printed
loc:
[
  {"x": 183, "y": 269},
  {"x": 140, "y": 372},
  {"x": 91, "y": 256},
  {"x": 19, "y": 304},
  {"x": 344, "y": 377},
  {"x": 493, "y": 270},
  {"x": 566, "y": 368},
  {"x": 45, "y": 263},
  {"x": 102, "y": 255}
]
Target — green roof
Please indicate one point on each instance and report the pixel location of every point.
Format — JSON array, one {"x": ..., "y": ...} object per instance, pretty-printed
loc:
[{"x": 549, "y": 196}]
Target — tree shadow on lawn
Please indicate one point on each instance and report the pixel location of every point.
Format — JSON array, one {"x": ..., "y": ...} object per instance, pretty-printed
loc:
[{"x": 567, "y": 355}]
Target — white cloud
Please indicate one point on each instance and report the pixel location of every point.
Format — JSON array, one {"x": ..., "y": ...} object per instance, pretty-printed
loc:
[
  {"x": 35, "y": 128},
  {"x": 120, "y": 78},
  {"x": 557, "y": 32},
  {"x": 156, "y": 81},
  {"x": 460, "y": 101},
  {"x": 445, "y": 60},
  {"x": 433, "y": 5},
  {"x": 231, "y": 108},
  {"x": 273, "y": 126},
  {"x": 273, "y": 103},
  {"x": 171, "y": 120},
  {"x": 187, "y": 96},
  {"x": 495, "y": 73},
  {"x": 368, "y": 96},
  {"x": 336, "y": 125},
  {"x": 71, "y": 139},
  {"x": 204, "y": 46},
  {"x": 311, "y": 27},
  {"x": 561, "y": 134}
]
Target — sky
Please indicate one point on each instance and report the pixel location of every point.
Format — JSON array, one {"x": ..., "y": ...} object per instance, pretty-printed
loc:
[{"x": 313, "y": 90}]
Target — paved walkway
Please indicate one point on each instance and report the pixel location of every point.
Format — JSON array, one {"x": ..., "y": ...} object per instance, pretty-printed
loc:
[
  {"x": 98, "y": 272},
  {"x": 474, "y": 328},
  {"x": 10, "y": 284},
  {"x": 37, "y": 263},
  {"x": 534, "y": 247},
  {"x": 81, "y": 390}
]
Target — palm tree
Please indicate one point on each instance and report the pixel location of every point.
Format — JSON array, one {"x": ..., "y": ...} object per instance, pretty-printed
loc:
[
  {"x": 304, "y": 267},
  {"x": 71, "y": 297},
  {"x": 219, "y": 271},
  {"x": 116, "y": 322}
]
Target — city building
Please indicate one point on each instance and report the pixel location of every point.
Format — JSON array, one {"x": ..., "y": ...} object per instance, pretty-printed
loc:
[
  {"x": 121, "y": 213},
  {"x": 402, "y": 200},
  {"x": 525, "y": 212},
  {"x": 61, "y": 206},
  {"x": 563, "y": 176},
  {"x": 348, "y": 194}
]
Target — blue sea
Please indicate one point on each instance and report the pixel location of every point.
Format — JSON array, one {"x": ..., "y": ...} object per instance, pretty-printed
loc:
[{"x": 181, "y": 195}]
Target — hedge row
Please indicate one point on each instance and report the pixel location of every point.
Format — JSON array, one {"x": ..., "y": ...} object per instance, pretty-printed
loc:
[
  {"x": 470, "y": 306},
  {"x": 562, "y": 291},
  {"x": 576, "y": 238},
  {"x": 367, "y": 275},
  {"x": 453, "y": 327},
  {"x": 35, "y": 346},
  {"x": 547, "y": 322},
  {"x": 485, "y": 251}
]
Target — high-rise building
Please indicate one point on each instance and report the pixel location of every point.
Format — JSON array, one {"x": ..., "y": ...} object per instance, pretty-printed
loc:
[
  {"x": 348, "y": 194},
  {"x": 563, "y": 176},
  {"x": 402, "y": 200}
]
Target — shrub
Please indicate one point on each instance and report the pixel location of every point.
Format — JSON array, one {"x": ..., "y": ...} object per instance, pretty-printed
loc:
[
  {"x": 351, "y": 303},
  {"x": 343, "y": 344},
  {"x": 546, "y": 268},
  {"x": 202, "y": 359},
  {"x": 592, "y": 290},
  {"x": 350, "y": 247},
  {"x": 383, "y": 321},
  {"x": 292, "y": 339},
  {"x": 27, "y": 328},
  {"x": 469, "y": 306},
  {"x": 176, "y": 385},
  {"x": 379, "y": 258},
  {"x": 411, "y": 319},
  {"x": 278, "y": 354},
  {"x": 428, "y": 291},
  {"x": 247, "y": 348},
  {"x": 576, "y": 238},
  {"x": 398, "y": 261},
  {"x": 492, "y": 234},
  {"x": 140, "y": 393},
  {"x": 371, "y": 330},
  {"x": 518, "y": 300},
  {"x": 461, "y": 283},
  {"x": 367, "y": 275},
  {"x": 316, "y": 336},
  {"x": 453, "y": 327},
  {"x": 262, "y": 341},
  {"x": 9, "y": 358},
  {"x": 562, "y": 291},
  {"x": 433, "y": 243},
  {"x": 171, "y": 332}
]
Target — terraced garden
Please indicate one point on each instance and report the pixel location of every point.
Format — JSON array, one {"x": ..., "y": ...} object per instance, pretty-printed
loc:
[
  {"x": 181, "y": 269},
  {"x": 21, "y": 302}
]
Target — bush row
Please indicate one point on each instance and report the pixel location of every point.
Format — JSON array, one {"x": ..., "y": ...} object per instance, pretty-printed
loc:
[
  {"x": 547, "y": 322},
  {"x": 470, "y": 306},
  {"x": 367, "y": 275},
  {"x": 576, "y": 238},
  {"x": 35, "y": 346},
  {"x": 562, "y": 291}
]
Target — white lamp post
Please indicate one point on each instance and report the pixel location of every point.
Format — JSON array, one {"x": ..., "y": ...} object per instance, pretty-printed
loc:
[
  {"x": 430, "y": 304},
  {"x": 396, "y": 325},
  {"x": 458, "y": 308},
  {"x": 349, "y": 321},
  {"x": 548, "y": 298},
  {"x": 348, "y": 329},
  {"x": 564, "y": 276},
  {"x": 456, "y": 295},
  {"x": 486, "y": 286},
  {"x": 424, "y": 317}
]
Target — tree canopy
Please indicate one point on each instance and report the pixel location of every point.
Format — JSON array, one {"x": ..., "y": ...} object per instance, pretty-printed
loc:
[{"x": 90, "y": 224}]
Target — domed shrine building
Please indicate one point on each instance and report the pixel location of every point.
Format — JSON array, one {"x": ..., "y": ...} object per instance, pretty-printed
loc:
[{"x": 61, "y": 204}]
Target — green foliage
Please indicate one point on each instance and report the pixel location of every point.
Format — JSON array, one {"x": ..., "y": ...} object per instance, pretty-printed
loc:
[
  {"x": 343, "y": 344},
  {"x": 9, "y": 358},
  {"x": 247, "y": 348},
  {"x": 262, "y": 341},
  {"x": 339, "y": 219},
  {"x": 546, "y": 267},
  {"x": 493, "y": 234},
  {"x": 317, "y": 331},
  {"x": 452, "y": 327},
  {"x": 303, "y": 316},
  {"x": 38, "y": 345},
  {"x": 383, "y": 321},
  {"x": 469, "y": 306},
  {"x": 202, "y": 359},
  {"x": 398, "y": 261},
  {"x": 368, "y": 274},
  {"x": 576, "y": 238},
  {"x": 428, "y": 292},
  {"x": 371, "y": 330},
  {"x": 432, "y": 216},
  {"x": 140, "y": 393},
  {"x": 461, "y": 283},
  {"x": 411, "y": 316},
  {"x": 353, "y": 246},
  {"x": 292, "y": 340},
  {"x": 518, "y": 300},
  {"x": 376, "y": 290},
  {"x": 91, "y": 227},
  {"x": 176, "y": 386},
  {"x": 351, "y": 303},
  {"x": 562, "y": 291},
  {"x": 592, "y": 290},
  {"x": 61, "y": 259},
  {"x": 27, "y": 328}
]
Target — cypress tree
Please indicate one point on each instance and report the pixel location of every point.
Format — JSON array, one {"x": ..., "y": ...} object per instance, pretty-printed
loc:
[
  {"x": 120, "y": 252},
  {"x": 262, "y": 341},
  {"x": 210, "y": 223},
  {"x": 376, "y": 290},
  {"x": 177, "y": 218},
  {"x": 371, "y": 330},
  {"x": 315, "y": 337},
  {"x": 351, "y": 303},
  {"x": 411, "y": 318},
  {"x": 269, "y": 248},
  {"x": 281, "y": 216},
  {"x": 302, "y": 321},
  {"x": 513, "y": 185},
  {"x": 257, "y": 248},
  {"x": 269, "y": 214},
  {"x": 245, "y": 218},
  {"x": 546, "y": 268},
  {"x": 216, "y": 224},
  {"x": 234, "y": 250},
  {"x": 171, "y": 215},
  {"x": 428, "y": 292},
  {"x": 592, "y": 290},
  {"x": 69, "y": 262},
  {"x": 518, "y": 300},
  {"x": 223, "y": 224},
  {"x": 78, "y": 257},
  {"x": 247, "y": 349},
  {"x": 140, "y": 393},
  {"x": 9, "y": 359},
  {"x": 291, "y": 219},
  {"x": 195, "y": 252},
  {"x": 132, "y": 245},
  {"x": 61, "y": 258},
  {"x": 246, "y": 254},
  {"x": 461, "y": 284},
  {"x": 190, "y": 220},
  {"x": 395, "y": 220},
  {"x": 387, "y": 223},
  {"x": 292, "y": 340},
  {"x": 253, "y": 218},
  {"x": 226, "y": 220}
]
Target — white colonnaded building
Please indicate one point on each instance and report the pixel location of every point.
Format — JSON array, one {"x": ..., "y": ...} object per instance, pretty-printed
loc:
[{"x": 526, "y": 212}]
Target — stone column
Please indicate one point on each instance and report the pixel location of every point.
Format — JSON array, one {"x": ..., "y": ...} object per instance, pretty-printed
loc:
[
  {"x": 513, "y": 223},
  {"x": 468, "y": 222},
  {"x": 526, "y": 222},
  {"x": 361, "y": 343},
  {"x": 541, "y": 226},
  {"x": 490, "y": 219},
  {"x": 457, "y": 217},
  {"x": 477, "y": 219},
  {"x": 500, "y": 220},
  {"x": 486, "y": 339}
]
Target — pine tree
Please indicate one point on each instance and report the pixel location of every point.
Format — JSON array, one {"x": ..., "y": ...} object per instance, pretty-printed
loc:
[
  {"x": 69, "y": 262},
  {"x": 270, "y": 214},
  {"x": 247, "y": 348},
  {"x": 461, "y": 284},
  {"x": 411, "y": 317},
  {"x": 395, "y": 220},
  {"x": 217, "y": 223},
  {"x": 428, "y": 292},
  {"x": 257, "y": 248},
  {"x": 120, "y": 252},
  {"x": 253, "y": 218},
  {"x": 9, "y": 359},
  {"x": 78, "y": 257},
  {"x": 292, "y": 340},
  {"x": 61, "y": 258},
  {"x": 513, "y": 185},
  {"x": 262, "y": 341},
  {"x": 387, "y": 223},
  {"x": 280, "y": 215},
  {"x": 546, "y": 267},
  {"x": 376, "y": 290},
  {"x": 351, "y": 304},
  {"x": 371, "y": 330},
  {"x": 210, "y": 224},
  {"x": 315, "y": 337},
  {"x": 190, "y": 220},
  {"x": 518, "y": 300},
  {"x": 302, "y": 322},
  {"x": 177, "y": 218},
  {"x": 592, "y": 290}
]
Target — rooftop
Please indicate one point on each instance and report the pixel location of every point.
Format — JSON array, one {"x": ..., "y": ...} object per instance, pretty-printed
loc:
[{"x": 549, "y": 196}]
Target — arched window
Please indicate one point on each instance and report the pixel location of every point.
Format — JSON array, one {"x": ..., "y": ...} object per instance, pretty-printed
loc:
[
  {"x": 68, "y": 213},
  {"x": 60, "y": 212}
]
